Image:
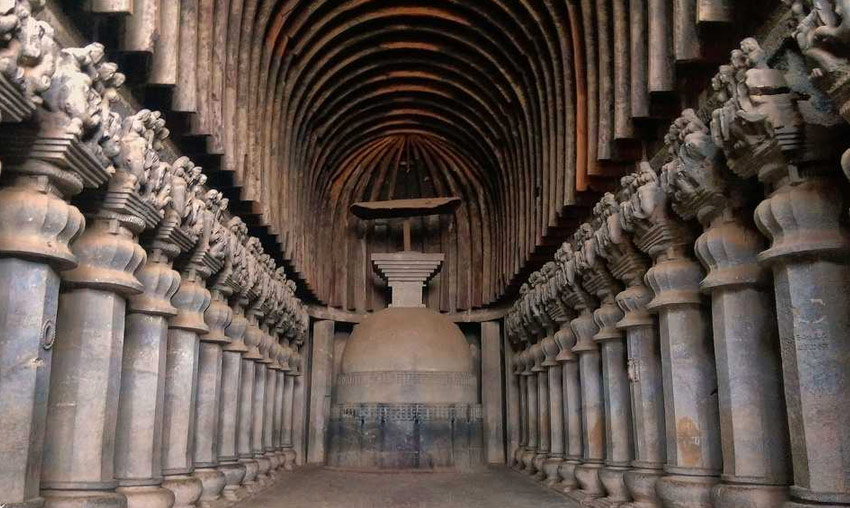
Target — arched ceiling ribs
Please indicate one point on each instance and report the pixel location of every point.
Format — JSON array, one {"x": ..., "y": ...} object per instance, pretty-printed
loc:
[{"x": 520, "y": 106}]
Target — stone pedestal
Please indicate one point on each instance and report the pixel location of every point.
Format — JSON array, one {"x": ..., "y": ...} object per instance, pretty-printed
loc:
[
  {"x": 808, "y": 256},
  {"x": 138, "y": 437},
  {"x": 83, "y": 404},
  {"x": 592, "y": 409},
  {"x": 181, "y": 380},
  {"x": 36, "y": 228}
]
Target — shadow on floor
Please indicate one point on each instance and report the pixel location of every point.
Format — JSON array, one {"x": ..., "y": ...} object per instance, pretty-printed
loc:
[{"x": 316, "y": 487}]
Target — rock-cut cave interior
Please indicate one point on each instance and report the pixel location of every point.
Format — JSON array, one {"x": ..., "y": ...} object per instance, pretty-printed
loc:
[{"x": 424, "y": 253}]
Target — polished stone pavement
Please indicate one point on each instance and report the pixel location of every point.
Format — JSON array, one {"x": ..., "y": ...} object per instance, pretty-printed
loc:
[{"x": 315, "y": 487}]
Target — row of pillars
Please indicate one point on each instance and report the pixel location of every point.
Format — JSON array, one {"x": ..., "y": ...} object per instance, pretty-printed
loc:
[
  {"x": 690, "y": 347},
  {"x": 149, "y": 348},
  {"x": 124, "y": 381}
]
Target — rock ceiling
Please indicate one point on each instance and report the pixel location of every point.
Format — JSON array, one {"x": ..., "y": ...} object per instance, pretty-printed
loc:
[{"x": 524, "y": 108}]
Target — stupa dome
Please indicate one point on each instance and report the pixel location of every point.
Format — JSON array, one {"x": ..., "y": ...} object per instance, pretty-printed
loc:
[{"x": 407, "y": 354}]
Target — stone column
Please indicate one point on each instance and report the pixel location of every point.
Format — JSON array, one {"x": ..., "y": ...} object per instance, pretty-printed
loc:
[
  {"x": 259, "y": 409},
  {"x": 571, "y": 387},
  {"x": 299, "y": 404},
  {"x": 690, "y": 383},
  {"x": 181, "y": 380},
  {"x": 754, "y": 428},
  {"x": 86, "y": 374},
  {"x": 284, "y": 352},
  {"x": 522, "y": 385},
  {"x": 556, "y": 411},
  {"x": 138, "y": 437},
  {"x": 543, "y": 415},
  {"x": 245, "y": 420},
  {"x": 268, "y": 409},
  {"x": 320, "y": 392},
  {"x": 647, "y": 397},
  {"x": 532, "y": 418},
  {"x": 808, "y": 256},
  {"x": 36, "y": 227},
  {"x": 286, "y": 423},
  {"x": 513, "y": 394},
  {"x": 619, "y": 442},
  {"x": 492, "y": 374},
  {"x": 208, "y": 401},
  {"x": 231, "y": 379},
  {"x": 592, "y": 408},
  {"x": 629, "y": 265},
  {"x": 754, "y": 434},
  {"x": 598, "y": 280}
]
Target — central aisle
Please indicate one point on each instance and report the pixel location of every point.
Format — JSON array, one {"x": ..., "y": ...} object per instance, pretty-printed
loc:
[{"x": 314, "y": 487}]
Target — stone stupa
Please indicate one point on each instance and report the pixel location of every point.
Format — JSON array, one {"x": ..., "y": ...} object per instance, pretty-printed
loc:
[{"x": 406, "y": 396}]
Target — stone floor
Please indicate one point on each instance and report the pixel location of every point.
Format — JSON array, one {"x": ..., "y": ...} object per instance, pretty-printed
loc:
[{"x": 315, "y": 487}]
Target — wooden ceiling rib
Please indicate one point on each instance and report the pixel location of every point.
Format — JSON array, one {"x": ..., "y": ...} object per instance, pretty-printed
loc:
[{"x": 523, "y": 108}]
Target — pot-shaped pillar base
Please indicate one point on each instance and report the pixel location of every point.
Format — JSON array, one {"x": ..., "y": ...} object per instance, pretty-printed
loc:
[
  {"x": 550, "y": 470},
  {"x": 679, "y": 491},
  {"x": 249, "y": 482},
  {"x": 289, "y": 459},
  {"x": 147, "y": 496},
  {"x": 263, "y": 466},
  {"x": 528, "y": 462},
  {"x": 567, "y": 473},
  {"x": 641, "y": 485},
  {"x": 537, "y": 463},
  {"x": 612, "y": 479},
  {"x": 733, "y": 495},
  {"x": 186, "y": 488},
  {"x": 234, "y": 475},
  {"x": 591, "y": 487},
  {"x": 212, "y": 483},
  {"x": 83, "y": 499}
]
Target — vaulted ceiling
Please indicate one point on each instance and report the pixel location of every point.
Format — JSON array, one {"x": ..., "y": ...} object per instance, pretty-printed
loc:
[{"x": 523, "y": 108}]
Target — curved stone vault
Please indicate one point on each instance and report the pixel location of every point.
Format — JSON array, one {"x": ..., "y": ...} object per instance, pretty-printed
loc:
[{"x": 518, "y": 107}]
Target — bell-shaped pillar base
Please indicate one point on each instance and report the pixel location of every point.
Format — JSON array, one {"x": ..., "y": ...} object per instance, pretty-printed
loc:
[
  {"x": 641, "y": 485},
  {"x": 587, "y": 475},
  {"x": 234, "y": 475},
  {"x": 83, "y": 499},
  {"x": 550, "y": 470},
  {"x": 186, "y": 488},
  {"x": 249, "y": 482},
  {"x": 567, "y": 473},
  {"x": 147, "y": 496},
  {"x": 679, "y": 491},
  {"x": 612, "y": 479},
  {"x": 732, "y": 495},
  {"x": 212, "y": 483},
  {"x": 537, "y": 463}
]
